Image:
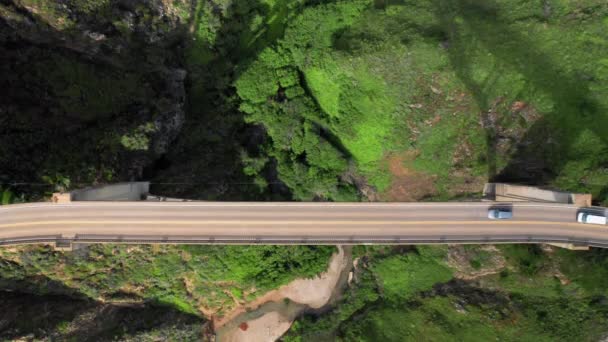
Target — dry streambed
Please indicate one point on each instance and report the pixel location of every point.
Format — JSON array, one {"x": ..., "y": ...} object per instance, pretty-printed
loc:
[{"x": 270, "y": 316}]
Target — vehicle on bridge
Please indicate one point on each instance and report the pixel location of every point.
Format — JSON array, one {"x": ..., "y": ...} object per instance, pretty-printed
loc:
[
  {"x": 500, "y": 213},
  {"x": 584, "y": 217}
]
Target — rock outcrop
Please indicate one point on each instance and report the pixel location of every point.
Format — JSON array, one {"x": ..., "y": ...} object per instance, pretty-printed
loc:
[{"x": 88, "y": 73}]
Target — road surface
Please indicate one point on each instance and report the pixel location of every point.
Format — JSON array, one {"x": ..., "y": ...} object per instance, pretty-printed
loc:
[{"x": 300, "y": 223}]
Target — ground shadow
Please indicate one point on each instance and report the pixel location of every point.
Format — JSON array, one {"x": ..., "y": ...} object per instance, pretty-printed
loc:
[
  {"x": 68, "y": 318},
  {"x": 72, "y": 81},
  {"x": 544, "y": 149},
  {"x": 43, "y": 308}
]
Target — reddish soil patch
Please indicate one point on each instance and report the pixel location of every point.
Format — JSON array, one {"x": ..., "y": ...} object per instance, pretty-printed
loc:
[
  {"x": 243, "y": 326},
  {"x": 518, "y": 106},
  {"x": 407, "y": 185}
]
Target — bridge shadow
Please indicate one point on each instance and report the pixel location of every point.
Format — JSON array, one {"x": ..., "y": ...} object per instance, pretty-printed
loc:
[{"x": 542, "y": 152}]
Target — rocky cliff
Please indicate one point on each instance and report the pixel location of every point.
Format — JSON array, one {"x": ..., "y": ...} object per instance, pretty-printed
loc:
[{"x": 89, "y": 85}]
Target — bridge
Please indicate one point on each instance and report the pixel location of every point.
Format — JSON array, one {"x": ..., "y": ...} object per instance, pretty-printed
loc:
[{"x": 294, "y": 223}]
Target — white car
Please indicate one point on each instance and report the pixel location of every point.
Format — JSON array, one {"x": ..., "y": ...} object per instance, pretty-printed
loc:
[{"x": 590, "y": 218}]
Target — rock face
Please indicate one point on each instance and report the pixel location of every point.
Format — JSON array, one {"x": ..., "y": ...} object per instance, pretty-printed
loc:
[
  {"x": 83, "y": 75},
  {"x": 169, "y": 120},
  {"x": 101, "y": 29}
]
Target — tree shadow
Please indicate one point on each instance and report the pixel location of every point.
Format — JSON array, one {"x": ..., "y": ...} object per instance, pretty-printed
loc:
[{"x": 540, "y": 155}]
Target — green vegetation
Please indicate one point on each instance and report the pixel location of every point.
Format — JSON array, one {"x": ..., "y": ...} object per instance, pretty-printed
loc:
[
  {"x": 74, "y": 83},
  {"x": 481, "y": 258},
  {"x": 444, "y": 319},
  {"x": 408, "y": 294},
  {"x": 589, "y": 270},
  {"x": 296, "y": 99},
  {"x": 402, "y": 276},
  {"x": 314, "y": 100},
  {"x": 8, "y": 197},
  {"x": 386, "y": 275},
  {"x": 188, "y": 278},
  {"x": 139, "y": 139},
  {"x": 361, "y": 81}
]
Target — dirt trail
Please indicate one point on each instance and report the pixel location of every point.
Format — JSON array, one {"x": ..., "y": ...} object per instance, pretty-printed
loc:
[{"x": 270, "y": 316}]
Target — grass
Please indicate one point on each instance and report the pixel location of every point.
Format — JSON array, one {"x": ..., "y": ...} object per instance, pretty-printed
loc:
[
  {"x": 9, "y": 197},
  {"x": 421, "y": 76},
  {"x": 367, "y": 116},
  {"x": 362, "y": 96},
  {"x": 435, "y": 319},
  {"x": 480, "y": 258},
  {"x": 391, "y": 298},
  {"x": 550, "y": 80},
  {"x": 184, "y": 277},
  {"x": 402, "y": 276},
  {"x": 588, "y": 269},
  {"x": 325, "y": 90},
  {"x": 440, "y": 318},
  {"x": 530, "y": 273}
]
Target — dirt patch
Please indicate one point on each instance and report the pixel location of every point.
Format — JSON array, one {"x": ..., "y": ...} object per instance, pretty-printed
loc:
[
  {"x": 407, "y": 185},
  {"x": 269, "y": 327},
  {"x": 472, "y": 262}
]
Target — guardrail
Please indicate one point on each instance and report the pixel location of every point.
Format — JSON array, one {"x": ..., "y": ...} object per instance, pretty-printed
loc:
[{"x": 345, "y": 240}]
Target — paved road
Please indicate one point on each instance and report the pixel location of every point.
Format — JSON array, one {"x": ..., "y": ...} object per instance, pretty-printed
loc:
[{"x": 221, "y": 222}]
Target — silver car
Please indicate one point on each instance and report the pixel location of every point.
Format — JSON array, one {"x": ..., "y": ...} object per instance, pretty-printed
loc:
[{"x": 500, "y": 214}]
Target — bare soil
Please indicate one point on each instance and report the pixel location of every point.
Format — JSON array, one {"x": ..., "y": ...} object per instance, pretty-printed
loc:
[
  {"x": 407, "y": 185},
  {"x": 269, "y": 327}
]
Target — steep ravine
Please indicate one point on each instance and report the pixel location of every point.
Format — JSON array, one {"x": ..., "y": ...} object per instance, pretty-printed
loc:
[{"x": 93, "y": 92}]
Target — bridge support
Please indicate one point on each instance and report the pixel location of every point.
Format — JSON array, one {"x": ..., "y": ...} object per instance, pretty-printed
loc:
[
  {"x": 503, "y": 192},
  {"x": 131, "y": 191},
  {"x": 570, "y": 246},
  {"x": 63, "y": 245}
]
